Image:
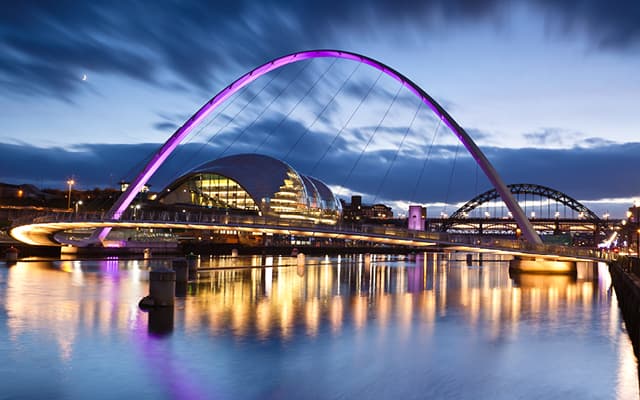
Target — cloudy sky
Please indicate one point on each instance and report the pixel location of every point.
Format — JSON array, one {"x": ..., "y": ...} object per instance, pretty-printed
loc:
[{"x": 549, "y": 90}]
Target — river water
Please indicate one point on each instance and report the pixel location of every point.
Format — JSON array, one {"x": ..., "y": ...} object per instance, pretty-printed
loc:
[{"x": 398, "y": 327}]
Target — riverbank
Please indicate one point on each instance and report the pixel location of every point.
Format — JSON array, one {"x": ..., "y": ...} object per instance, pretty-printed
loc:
[{"x": 625, "y": 274}]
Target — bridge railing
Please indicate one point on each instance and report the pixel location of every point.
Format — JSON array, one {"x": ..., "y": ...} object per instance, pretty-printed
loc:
[{"x": 182, "y": 217}]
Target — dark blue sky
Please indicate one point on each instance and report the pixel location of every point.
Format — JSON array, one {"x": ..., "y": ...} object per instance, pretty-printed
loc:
[{"x": 548, "y": 89}]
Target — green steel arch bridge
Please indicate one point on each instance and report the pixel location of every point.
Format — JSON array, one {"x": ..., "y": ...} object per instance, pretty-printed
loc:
[{"x": 550, "y": 211}]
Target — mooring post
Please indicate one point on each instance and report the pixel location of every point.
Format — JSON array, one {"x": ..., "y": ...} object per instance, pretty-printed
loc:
[
  {"x": 11, "y": 255},
  {"x": 162, "y": 288},
  {"x": 182, "y": 276},
  {"x": 192, "y": 263}
]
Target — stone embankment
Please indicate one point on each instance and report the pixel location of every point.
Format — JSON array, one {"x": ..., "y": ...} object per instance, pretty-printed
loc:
[{"x": 625, "y": 274}]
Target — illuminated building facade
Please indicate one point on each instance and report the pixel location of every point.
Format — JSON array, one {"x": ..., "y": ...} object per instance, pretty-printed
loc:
[
  {"x": 357, "y": 211},
  {"x": 417, "y": 218},
  {"x": 255, "y": 184}
]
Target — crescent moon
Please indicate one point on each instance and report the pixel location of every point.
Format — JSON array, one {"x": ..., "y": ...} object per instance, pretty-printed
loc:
[{"x": 84, "y": 77}]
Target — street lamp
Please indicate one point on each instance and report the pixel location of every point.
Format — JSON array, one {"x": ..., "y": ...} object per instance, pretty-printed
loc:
[
  {"x": 70, "y": 182},
  {"x": 135, "y": 210},
  {"x": 78, "y": 204}
]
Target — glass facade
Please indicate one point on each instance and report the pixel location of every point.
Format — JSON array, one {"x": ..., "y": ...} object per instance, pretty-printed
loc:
[
  {"x": 290, "y": 200},
  {"x": 213, "y": 190},
  {"x": 257, "y": 184}
]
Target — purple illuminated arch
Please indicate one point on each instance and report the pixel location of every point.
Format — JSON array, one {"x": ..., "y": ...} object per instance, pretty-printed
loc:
[{"x": 161, "y": 155}]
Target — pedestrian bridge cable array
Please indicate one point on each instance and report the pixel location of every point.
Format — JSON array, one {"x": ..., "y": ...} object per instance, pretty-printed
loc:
[{"x": 170, "y": 145}]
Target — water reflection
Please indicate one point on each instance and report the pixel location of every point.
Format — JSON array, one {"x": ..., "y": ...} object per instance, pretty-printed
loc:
[
  {"x": 160, "y": 321},
  {"x": 281, "y": 302},
  {"x": 472, "y": 321}
]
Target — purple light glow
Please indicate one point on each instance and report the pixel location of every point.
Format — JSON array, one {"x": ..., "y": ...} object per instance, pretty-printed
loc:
[{"x": 161, "y": 155}]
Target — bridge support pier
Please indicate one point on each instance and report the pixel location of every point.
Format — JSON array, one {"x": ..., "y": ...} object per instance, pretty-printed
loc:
[{"x": 537, "y": 265}]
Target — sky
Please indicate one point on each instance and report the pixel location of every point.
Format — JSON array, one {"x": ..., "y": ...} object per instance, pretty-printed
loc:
[{"x": 549, "y": 90}]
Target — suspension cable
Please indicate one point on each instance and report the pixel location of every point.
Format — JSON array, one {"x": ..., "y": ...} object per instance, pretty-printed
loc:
[
  {"x": 308, "y": 128},
  {"x": 146, "y": 159},
  {"x": 453, "y": 169},
  {"x": 426, "y": 161},
  {"x": 286, "y": 116},
  {"x": 395, "y": 156},
  {"x": 284, "y": 89},
  {"x": 220, "y": 154},
  {"x": 348, "y": 121},
  {"x": 346, "y": 181},
  {"x": 210, "y": 139}
]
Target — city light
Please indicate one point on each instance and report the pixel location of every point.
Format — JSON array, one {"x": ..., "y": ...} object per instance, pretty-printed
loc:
[{"x": 70, "y": 182}]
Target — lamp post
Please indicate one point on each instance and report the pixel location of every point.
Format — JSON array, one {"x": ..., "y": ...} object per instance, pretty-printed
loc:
[
  {"x": 135, "y": 210},
  {"x": 70, "y": 182},
  {"x": 638, "y": 243},
  {"x": 78, "y": 204},
  {"x": 636, "y": 219}
]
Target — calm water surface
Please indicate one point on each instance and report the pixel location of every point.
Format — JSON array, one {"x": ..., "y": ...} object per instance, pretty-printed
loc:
[{"x": 395, "y": 328}]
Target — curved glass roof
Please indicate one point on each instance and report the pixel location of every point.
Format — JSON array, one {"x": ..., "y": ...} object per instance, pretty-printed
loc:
[
  {"x": 275, "y": 187},
  {"x": 261, "y": 176}
]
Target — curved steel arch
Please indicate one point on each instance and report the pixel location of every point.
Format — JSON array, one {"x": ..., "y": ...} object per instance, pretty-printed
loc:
[
  {"x": 528, "y": 188},
  {"x": 161, "y": 155}
]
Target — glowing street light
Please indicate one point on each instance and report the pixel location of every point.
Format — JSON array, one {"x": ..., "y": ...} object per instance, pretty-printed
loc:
[
  {"x": 70, "y": 182},
  {"x": 78, "y": 204},
  {"x": 135, "y": 210}
]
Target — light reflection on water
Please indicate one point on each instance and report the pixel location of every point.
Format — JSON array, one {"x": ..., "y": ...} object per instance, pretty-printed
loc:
[{"x": 396, "y": 327}]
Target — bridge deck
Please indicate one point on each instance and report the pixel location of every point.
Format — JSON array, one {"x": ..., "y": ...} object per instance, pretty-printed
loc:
[{"x": 46, "y": 231}]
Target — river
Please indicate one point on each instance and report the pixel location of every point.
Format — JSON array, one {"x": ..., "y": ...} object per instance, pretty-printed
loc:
[{"x": 430, "y": 326}]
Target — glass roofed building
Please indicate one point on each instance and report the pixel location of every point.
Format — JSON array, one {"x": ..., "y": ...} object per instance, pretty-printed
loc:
[{"x": 256, "y": 184}]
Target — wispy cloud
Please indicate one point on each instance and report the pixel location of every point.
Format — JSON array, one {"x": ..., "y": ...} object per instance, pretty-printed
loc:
[{"x": 46, "y": 46}]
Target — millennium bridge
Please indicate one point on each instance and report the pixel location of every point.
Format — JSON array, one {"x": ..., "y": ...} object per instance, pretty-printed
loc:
[{"x": 92, "y": 229}]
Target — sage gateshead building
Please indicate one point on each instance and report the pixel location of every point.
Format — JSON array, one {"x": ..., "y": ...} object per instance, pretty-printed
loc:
[{"x": 255, "y": 184}]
